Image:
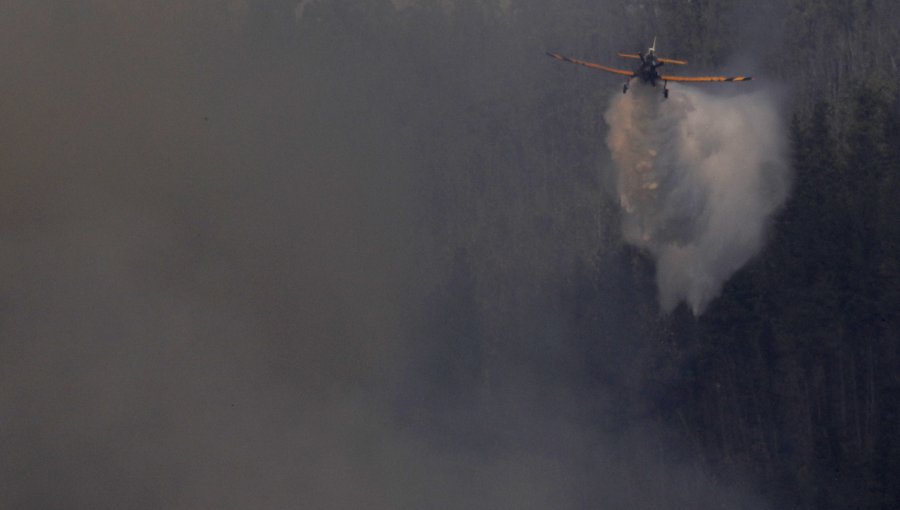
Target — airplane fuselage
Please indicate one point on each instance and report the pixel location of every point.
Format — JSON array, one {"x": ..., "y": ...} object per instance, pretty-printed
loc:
[{"x": 647, "y": 72}]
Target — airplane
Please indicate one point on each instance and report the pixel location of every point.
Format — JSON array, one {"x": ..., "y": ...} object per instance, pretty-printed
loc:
[{"x": 647, "y": 72}]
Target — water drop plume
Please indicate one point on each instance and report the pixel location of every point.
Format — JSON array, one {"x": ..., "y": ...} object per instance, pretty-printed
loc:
[{"x": 697, "y": 176}]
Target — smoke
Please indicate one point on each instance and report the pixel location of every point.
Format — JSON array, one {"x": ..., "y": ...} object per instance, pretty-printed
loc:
[
  {"x": 218, "y": 292},
  {"x": 698, "y": 176}
]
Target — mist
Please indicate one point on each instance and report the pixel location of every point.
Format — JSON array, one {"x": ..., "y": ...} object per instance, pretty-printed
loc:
[
  {"x": 272, "y": 255},
  {"x": 698, "y": 178}
]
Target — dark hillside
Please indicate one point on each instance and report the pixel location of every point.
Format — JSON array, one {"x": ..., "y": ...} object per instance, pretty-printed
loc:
[{"x": 371, "y": 254}]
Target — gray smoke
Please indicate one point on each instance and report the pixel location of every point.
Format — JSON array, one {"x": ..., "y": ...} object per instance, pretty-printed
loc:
[
  {"x": 217, "y": 292},
  {"x": 698, "y": 176}
]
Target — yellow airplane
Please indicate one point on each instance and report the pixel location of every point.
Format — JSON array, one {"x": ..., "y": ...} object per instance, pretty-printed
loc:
[{"x": 647, "y": 71}]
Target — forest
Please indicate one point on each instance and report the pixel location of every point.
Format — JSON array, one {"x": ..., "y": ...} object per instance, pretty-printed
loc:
[
  {"x": 792, "y": 376},
  {"x": 371, "y": 254}
]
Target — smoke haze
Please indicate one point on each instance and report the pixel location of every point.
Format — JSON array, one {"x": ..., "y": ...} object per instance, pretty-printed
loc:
[
  {"x": 270, "y": 255},
  {"x": 698, "y": 177}
]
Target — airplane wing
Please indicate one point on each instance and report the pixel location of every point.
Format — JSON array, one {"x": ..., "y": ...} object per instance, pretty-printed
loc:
[
  {"x": 629, "y": 55},
  {"x": 592, "y": 65},
  {"x": 672, "y": 61},
  {"x": 705, "y": 78}
]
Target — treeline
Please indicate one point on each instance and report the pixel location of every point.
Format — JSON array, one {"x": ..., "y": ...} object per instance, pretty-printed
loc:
[
  {"x": 795, "y": 369},
  {"x": 793, "y": 374}
]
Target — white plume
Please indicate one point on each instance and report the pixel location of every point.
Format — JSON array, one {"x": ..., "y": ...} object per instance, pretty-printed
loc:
[{"x": 697, "y": 177}]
